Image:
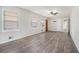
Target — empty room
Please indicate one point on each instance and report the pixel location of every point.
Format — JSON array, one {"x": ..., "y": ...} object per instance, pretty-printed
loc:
[{"x": 39, "y": 29}]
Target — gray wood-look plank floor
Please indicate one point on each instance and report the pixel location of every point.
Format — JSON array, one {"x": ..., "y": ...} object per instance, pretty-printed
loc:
[{"x": 47, "y": 42}]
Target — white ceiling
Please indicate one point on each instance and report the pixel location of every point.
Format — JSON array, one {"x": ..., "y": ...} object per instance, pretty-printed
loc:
[{"x": 43, "y": 10}]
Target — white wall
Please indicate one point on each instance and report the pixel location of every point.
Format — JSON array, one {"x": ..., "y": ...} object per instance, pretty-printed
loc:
[
  {"x": 74, "y": 26},
  {"x": 0, "y": 19},
  {"x": 25, "y": 25}
]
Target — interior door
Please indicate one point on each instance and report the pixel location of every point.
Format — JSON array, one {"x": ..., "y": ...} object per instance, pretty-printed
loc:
[
  {"x": 55, "y": 25},
  {"x": 65, "y": 25}
]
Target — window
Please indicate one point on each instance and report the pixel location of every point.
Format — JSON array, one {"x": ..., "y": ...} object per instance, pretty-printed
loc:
[
  {"x": 10, "y": 20},
  {"x": 34, "y": 22}
]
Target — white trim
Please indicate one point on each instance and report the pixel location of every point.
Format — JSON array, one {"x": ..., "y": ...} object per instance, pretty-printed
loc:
[{"x": 2, "y": 19}]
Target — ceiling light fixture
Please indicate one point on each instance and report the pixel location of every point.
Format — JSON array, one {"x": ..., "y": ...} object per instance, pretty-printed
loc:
[{"x": 53, "y": 12}]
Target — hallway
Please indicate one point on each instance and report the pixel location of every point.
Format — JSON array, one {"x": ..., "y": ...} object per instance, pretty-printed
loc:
[{"x": 46, "y": 42}]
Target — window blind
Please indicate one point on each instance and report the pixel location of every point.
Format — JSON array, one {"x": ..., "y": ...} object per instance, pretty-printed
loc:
[{"x": 10, "y": 20}]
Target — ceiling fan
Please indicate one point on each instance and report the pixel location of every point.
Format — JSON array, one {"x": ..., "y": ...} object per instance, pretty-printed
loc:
[{"x": 53, "y": 13}]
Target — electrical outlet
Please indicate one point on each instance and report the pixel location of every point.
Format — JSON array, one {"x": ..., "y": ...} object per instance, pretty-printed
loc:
[{"x": 10, "y": 37}]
